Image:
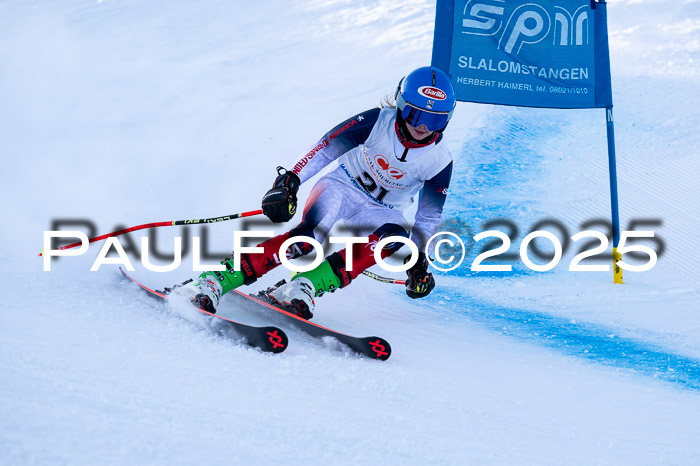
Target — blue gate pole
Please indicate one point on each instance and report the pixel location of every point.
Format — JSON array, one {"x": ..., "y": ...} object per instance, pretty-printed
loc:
[{"x": 612, "y": 169}]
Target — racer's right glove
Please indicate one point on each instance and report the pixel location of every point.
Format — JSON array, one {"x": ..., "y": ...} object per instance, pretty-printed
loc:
[{"x": 279, "y": 204}]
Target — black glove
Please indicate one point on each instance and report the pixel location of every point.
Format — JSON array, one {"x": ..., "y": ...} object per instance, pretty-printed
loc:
[
  {"x": 420, "y": 282},
  {"x": 280, "y": 203}
]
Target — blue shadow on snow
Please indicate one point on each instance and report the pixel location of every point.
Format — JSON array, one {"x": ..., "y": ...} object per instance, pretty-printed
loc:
[
  {"x": 585, "y": 340},
  {"x": 504, "y": 157}
]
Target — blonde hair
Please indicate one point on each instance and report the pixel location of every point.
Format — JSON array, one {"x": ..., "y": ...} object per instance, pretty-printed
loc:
[{"x": 388, "y": 102}]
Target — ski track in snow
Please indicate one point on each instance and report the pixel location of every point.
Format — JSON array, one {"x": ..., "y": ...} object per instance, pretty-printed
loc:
[{"x": 122, "y": 112}]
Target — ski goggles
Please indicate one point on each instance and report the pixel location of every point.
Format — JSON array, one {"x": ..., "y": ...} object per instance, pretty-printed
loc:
[{"x": 416, "y": 117}]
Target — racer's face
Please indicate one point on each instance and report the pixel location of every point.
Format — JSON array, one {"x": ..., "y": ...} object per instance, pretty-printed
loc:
[{"x": 420, "y": 132}]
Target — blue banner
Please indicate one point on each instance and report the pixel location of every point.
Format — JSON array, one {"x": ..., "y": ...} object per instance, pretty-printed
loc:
[{"x": 538, "y": 53}]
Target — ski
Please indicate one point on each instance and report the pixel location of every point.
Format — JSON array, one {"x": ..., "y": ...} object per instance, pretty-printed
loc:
[
  {"x": 269, "y": 339},
  {"x": 371, "y": 347}
]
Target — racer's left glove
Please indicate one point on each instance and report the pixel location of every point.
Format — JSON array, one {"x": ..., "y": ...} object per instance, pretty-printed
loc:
[{"x": 420, "y": 282}]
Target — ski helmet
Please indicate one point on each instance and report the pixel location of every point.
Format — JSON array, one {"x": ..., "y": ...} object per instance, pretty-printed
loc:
[{"x": 425, "y": 97}]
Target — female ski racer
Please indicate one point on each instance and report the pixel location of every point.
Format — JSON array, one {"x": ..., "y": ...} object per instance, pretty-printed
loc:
[{"x": 385, "y": 157}]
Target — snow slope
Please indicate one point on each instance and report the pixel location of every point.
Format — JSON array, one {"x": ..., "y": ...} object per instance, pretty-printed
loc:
[{"x": 126, "y": 112}]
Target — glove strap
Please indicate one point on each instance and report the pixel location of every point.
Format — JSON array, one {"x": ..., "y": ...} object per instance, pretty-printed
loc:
[{"x": 287, "y": 179}]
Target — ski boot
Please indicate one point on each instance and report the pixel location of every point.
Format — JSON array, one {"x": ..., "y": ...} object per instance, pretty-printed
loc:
[
  {"x": 205, "y": 292},
  {"x": 296, "y": 297}
]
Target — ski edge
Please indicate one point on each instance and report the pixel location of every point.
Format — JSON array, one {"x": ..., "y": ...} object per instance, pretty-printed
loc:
[
  {"x": 270, "y": 339},
  {"x": 371, "y": 347}
]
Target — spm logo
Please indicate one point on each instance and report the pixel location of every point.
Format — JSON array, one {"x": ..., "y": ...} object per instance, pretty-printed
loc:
[{"x": 515, "y": 23}]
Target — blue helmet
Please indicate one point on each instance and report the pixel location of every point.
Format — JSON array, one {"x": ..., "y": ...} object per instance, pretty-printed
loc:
[{"x": 426, "y": 97}]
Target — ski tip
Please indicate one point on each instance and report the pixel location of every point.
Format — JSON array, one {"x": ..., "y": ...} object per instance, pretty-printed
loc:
[
  {"x": 276, "y": 340},
  {"x": 379, "y": 348}
]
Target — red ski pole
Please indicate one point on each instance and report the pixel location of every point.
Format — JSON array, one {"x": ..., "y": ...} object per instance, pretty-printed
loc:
[
  {"x": 164, "y": 224},
  {"x": 379, "y": 278}
]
